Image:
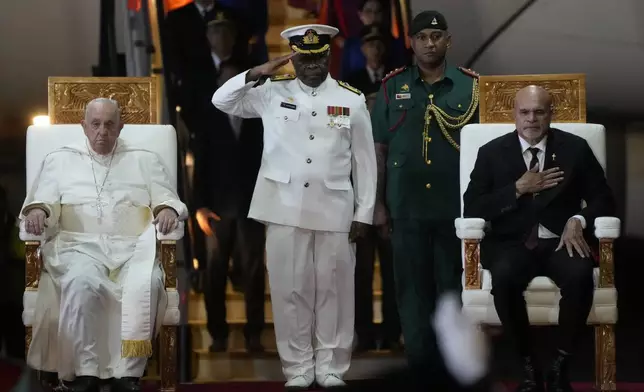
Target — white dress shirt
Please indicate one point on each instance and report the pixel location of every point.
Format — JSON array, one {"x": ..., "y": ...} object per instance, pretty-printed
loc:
[
  {"x": 541, "y": 155},
  {"x": 375, "y": 75},
  {"x": 202, "y": 9}
]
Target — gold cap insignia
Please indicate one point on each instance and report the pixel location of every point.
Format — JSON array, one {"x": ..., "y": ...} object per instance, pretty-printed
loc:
[
  {"x": 434, "y": 22},
  {"x": 220, "y": 16},
  {"x": 310, "y": 37}
]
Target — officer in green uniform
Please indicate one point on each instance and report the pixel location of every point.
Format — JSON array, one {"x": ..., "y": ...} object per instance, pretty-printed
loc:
[{"x": 417, "y": 118}]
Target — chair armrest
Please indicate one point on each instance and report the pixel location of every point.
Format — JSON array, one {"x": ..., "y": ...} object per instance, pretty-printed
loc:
[
  {"x": 470, "y": 228},
  {"x": 24, "y": 236},
  {"x": 607, "y": 227},
  {"x": 174, "y": 235}
]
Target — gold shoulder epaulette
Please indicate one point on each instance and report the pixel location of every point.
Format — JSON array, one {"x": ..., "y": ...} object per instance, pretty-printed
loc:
[
  {"x": 469, "y": 72},
  {"x": 393, "y": 73},
  {"x": 349, "y": 87},
  {"x": 278, "y": 78}
]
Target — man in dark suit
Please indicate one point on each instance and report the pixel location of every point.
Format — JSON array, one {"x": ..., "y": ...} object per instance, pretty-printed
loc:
[
  {"x": 368, "y": 80},
  {"x": 224, "y": 185},
  {"x": 529, "y": 186}
]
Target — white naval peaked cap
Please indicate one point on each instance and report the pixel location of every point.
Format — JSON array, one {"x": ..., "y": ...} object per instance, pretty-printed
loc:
[{"x": 311, "y": 38}]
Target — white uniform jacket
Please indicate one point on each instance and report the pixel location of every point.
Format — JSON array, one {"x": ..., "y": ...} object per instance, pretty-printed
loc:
[{"x": 318, "y": 167}]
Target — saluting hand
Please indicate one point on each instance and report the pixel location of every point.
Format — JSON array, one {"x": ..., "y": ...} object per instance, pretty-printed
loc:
[
  {"x": 166, "y": 220},
  {"x": 269, "y": 68},
  {"x": 204, "y": 215},
  {"x": 35, "y": 221}
]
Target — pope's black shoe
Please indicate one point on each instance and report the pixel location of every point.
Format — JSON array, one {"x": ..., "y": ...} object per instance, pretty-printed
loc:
[
  {"x": 126, "y": 384},
  {"x": 83, "y": 384}
]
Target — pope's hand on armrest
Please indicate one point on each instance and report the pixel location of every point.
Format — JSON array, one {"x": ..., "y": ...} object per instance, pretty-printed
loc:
[
  {"x": 470, "y": 228},
  {"x": 607, "y": 227}
]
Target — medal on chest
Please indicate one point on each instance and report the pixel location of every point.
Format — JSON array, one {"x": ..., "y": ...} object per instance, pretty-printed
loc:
[{"x": 338, "y": 116}]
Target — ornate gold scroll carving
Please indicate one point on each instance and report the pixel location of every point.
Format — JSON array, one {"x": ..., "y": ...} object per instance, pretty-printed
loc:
[
  {"x": 497, "y": 96},
  {"x": 168, "y": 357},
  {"x": 606, "y": 263},
  {"x": 138, "y": 98},
  {"x": 33, "y": 265},
  {"x": 168, "y": 261},
  {"x": 472, "y": 258},
  {"x": 605, "y": 365}
]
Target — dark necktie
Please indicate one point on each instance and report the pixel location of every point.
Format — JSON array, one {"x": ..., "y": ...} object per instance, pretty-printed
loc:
[{"x": 533, "y": 238}]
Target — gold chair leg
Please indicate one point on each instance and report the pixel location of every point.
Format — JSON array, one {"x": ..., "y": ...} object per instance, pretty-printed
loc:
[
  {"x": 605, "y": 366},
  {"x": 168, "y": 358}
]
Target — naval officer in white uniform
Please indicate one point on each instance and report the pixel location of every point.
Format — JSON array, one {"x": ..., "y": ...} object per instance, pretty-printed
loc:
[{"x": 315, "y": 192}]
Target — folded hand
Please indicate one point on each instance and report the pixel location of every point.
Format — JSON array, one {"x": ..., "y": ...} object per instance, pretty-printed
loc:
[
  {"x": 166, "y": 220},
  {"x": 35, "y": 221}
]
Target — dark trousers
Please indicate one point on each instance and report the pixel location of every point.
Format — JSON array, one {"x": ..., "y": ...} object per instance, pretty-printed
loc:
[
  {"x": 512, "y": 269},
  {"x": 250, "y": 236},
  {"x": 427, "y": 262},
  {"x": 365, "y": 259}
]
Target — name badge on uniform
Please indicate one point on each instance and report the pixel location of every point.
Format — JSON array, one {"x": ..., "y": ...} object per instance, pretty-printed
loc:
[
  {"x": 288, "y": 105},
  {"x": 338, "y": 116},
  {"x": 403, "y": 96}
]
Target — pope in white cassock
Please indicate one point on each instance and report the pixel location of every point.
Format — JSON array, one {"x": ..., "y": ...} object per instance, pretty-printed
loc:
[
  {"x": 101, "y": 297},
  {"x": 315, "y": 192}
]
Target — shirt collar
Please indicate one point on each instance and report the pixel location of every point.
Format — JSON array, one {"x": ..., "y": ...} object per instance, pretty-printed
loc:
[
  {"x": 449, "y": 74},
  {"x": 309, "y": 90},
  {"x": 541, "y": 145},
  {"x": 372, "y": 72}
]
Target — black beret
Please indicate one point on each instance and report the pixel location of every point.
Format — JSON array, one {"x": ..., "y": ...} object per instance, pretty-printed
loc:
[
  {"x": 428, "y": 20},
  {"x": 372, "y": 32}
]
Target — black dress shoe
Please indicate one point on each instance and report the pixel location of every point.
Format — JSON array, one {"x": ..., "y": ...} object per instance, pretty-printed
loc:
[
  {"x": 83, "y": 384},
  {"x": 219, "y": 345},
  {"x": 126, "y": 384},
  {"x": 532, "y": 377},
  {"x": 254, "y": 345},
  {"x": 557, "y": 380}
]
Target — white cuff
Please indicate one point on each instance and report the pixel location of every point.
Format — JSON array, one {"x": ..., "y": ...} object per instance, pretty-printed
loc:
[{"x": 581, "y": 219}]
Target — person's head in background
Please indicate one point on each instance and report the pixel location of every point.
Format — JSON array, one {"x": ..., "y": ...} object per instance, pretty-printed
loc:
[
  {"x": 370, "y": 12},
  {"x": 222, "y": 34},
  {"x": 227, "y": 70},
  {"x": 205, "y": 3},
  {"x": 373, "y": 46}
]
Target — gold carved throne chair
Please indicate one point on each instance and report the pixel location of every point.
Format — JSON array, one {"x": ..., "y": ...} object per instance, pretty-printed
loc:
[
  {"x": 542, "y": 295},
  {"x": 140, "y": 110}
]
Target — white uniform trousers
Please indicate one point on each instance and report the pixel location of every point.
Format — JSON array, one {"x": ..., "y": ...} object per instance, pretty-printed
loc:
[
  {"x": 90, "y": 322},
  {"x": 311, "y": 276}
]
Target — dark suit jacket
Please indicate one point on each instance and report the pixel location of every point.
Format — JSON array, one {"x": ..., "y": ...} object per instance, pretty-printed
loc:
[
  {"x": 360, "y": 79},
  {"x": 189, "y": 58},
  {"x": 226, "y": 167},
  {"x": 491, "y": 194}
]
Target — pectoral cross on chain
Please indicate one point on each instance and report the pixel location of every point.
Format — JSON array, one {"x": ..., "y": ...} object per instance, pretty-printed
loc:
[{"x": 99, "y": 206}]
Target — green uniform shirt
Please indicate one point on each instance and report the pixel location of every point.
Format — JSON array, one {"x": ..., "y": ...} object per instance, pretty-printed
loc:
[{"x": 423, "y": 177}]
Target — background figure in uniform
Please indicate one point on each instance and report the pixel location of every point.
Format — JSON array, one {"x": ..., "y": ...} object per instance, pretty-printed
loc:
[
  {"x": 368, "y": 80},
  {"x": 222, "y": 36},
  {"x": 372, "y": 12},
  {"x": 317, "y": 138},
  {"x": 224, "y": 186},
  {"x": 529, "y": 184},
  {"x": 417, "y": 119}
]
